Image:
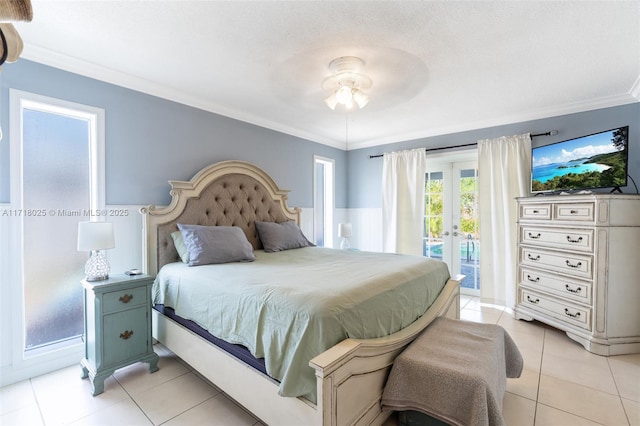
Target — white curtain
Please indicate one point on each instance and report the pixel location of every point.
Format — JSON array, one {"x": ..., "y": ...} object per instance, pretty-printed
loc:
[
  {"x": 504, "y": 173},
  {"x": 403, "y": 175}
]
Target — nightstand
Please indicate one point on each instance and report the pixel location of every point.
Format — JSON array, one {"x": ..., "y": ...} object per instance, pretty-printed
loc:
[{"x": 117, "y": 324}]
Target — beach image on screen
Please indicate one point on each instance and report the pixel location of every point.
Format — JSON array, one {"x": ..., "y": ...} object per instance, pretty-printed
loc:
[{"x": 594, "y": 161}]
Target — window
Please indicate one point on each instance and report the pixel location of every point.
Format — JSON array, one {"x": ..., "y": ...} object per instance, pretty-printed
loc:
[
  {"x": 323, "y": 201},
  {"x": 57, "y": 178}
]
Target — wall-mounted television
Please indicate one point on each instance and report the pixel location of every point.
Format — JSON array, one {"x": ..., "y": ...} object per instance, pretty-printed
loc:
[{"x": 599, "y": 160}]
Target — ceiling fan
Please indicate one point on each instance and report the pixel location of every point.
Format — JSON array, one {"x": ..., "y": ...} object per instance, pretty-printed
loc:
[{"x": 10, "y": 42}]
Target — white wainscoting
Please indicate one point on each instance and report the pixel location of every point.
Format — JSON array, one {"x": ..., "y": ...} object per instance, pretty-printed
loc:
[
  {"x": 367, "y": 229},
  {"x": 127, "y": 228}
]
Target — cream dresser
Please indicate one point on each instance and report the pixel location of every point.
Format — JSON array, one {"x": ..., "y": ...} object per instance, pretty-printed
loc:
[{"x": 579, "y": 268}]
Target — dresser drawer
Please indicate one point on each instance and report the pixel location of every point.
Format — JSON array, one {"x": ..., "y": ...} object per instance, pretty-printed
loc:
[
  {"x": 566, "y": 239},
  {"x": 125, "y": 335},
  {"x": 566, "y": 263},
  {"x": 124, "y": 299},
  {"x": 579, "y": 291},
  {"x": 583, "y": 212},
  {"x": 535, "y": 211},
  {"x": 557, "y": 308}
]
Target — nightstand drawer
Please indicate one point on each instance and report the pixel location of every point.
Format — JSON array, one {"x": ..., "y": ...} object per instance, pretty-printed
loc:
[
  {"x": 125, "y": 336},
  {"x": 583, "y": 212},
  {"x": 124, "y": 299},
  {"x": 571, "y": 314},
  {"x": 569, "y": 239}
]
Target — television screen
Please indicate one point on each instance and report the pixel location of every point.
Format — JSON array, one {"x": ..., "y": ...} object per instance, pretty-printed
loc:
[{"x": 588, "y": 162}]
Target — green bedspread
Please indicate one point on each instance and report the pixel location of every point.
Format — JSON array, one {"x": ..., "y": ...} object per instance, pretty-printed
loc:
[{"x": 287, "y": 307}]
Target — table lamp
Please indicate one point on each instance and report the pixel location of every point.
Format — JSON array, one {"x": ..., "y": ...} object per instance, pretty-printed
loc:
[
  {"x": 344, "y": 231},
  {"x": 95, "y": 237}
]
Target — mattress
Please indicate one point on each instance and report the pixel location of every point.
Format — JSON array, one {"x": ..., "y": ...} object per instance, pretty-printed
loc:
[{"x": 288, "y": 307}]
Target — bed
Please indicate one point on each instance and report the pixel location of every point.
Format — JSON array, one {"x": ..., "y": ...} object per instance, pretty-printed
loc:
[{"x": 336, "y": 380}]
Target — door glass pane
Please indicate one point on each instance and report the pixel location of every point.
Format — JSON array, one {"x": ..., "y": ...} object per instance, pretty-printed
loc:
[
  {"x": 56, "y": 188},
  {"x": 434, "y": 214},
  {"x": 469, "y": 227}
]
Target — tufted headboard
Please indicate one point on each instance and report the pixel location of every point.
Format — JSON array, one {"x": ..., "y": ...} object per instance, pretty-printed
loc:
[{"x": 229, "y": 193}]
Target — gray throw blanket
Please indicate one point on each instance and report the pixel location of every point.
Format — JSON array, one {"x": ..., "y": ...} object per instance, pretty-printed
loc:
[{"x": 455, "y": 371}]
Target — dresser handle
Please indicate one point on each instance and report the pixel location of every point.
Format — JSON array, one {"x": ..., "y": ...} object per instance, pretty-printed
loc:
[
  {"x": 534, "y": 237},
  {"x": 532, "y": 280},
  {"x": 571, "y": 265},
  {"x": 571, "y": 240},
  {"x": 529, "y": 299},
  {"x": 536, "y": 211},
  {"x": 126, "y": 334},
  {"x": 576, "y": 291},
  {"x": 576, "y": 315},
  {"x": 126, "y": 298},
  {"x": 573, "y": 211},
  {"x": 535, "y": 259}
]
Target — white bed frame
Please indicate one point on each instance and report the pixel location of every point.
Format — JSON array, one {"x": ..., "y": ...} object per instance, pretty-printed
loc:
[{"x": 350, "y": 376}]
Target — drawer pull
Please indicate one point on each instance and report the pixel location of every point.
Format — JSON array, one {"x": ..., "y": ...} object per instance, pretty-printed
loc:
[
  {"x": 535, "y": 259},
  {"x": 534, "y": 237},
  {"x": 126, "y": 334},
  {"x": 530, "y": 300},
  {"x": 573, "y": 265},
  {"x": 573, "y": 211},
  {"x": 126, "y": 298},
  {"x": 573, "y": 240},
  {"x": 568, "y": 313},
  {"x": 536, "y": 211},
  {"x": 576, "y": 291},
  {"x": 532, "y": 280}
]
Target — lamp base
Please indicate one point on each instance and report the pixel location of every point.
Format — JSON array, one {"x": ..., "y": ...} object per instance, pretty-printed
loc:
[
  {"x": 344, "y": 244},
  {"x": 97, "y": 267}
]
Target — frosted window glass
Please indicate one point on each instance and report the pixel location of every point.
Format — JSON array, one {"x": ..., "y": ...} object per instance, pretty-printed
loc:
[{"x": 56, "y": 188}]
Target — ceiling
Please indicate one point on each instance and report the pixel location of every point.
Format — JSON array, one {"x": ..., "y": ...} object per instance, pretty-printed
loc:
[{"x": 437, "y": 67}]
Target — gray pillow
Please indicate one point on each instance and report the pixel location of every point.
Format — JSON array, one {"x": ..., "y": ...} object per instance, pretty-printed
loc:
[
  {"x": 215, "y": 244},
  {"x": 281, "y": 236},
  {"x": 182, "y": 250}
]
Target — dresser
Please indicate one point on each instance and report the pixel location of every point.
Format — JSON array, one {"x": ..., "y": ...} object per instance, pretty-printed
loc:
[
  {"x": 117, "y": 318},
  {"x": 579, "y": 268}
]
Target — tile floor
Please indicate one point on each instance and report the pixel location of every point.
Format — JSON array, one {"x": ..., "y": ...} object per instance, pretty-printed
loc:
[{"x": 562, "y": 384}]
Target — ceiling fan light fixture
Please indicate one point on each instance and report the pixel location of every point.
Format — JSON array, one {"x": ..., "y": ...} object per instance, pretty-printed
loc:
[
  {"x": 331, "y": 101},
  {"x": 344, "y": 94},
  {"x": 346, "y": 83},
  {"x": 360, "y": 98}
]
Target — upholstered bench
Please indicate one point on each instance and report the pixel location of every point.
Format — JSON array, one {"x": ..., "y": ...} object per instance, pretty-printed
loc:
[{"x": 454, "y": 372}]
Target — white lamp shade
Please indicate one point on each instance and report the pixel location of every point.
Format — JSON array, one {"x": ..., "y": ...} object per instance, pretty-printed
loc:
[
  {"x": 95, "y": 236},
  {"x": 344, "y": 230}
]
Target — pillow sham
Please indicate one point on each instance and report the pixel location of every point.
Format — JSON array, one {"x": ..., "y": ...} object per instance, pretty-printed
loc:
[
  {"x": 215, "y": 244},
  {"x": 281, "y": 236},
  {"x": 178, "y": 242}
]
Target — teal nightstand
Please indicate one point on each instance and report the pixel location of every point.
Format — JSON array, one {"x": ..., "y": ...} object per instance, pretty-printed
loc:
[{"x": 117, "y": 324}]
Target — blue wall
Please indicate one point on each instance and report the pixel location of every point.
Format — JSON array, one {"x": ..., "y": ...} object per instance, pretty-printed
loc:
[
  {"x": 150, "y": 140},
  {"x": 365, "y": 174}
]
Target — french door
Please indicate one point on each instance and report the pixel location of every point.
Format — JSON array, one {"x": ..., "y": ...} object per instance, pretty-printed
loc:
[{"x": 451, "y": 231}]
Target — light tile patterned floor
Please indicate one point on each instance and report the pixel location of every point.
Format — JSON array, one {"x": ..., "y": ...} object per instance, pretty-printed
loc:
[{"x": 562, "y": 385}]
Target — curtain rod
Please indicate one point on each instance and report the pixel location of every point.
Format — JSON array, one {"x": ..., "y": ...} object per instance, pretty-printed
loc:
[{"x": 549, "y": 133}]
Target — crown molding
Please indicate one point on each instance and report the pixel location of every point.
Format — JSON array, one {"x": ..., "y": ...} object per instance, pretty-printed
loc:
[
  {"x": 635, "y": 89},
  {"x": 107, "y": 75},
  {"x": 555, "y": 111}
]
